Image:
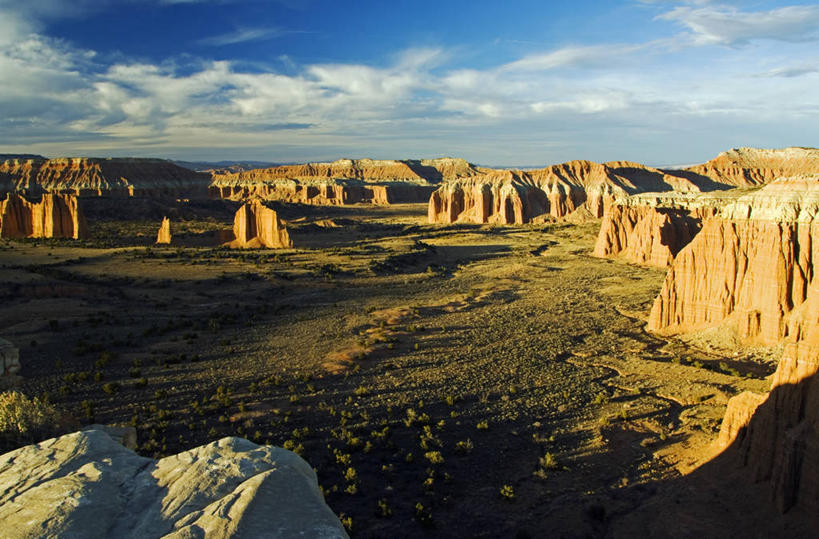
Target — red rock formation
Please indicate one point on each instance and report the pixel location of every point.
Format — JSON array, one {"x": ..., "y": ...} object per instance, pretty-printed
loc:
[
  {"x": 164, "y": 234},
  {"x": 102, "y": 177},
  {"x": 341, "y": 182},
  {"x": 751, "y": 166},
  {"x": 55, "y": 216},
  {"x": 645, "y": 234},
  {"x": 515, "y": 196},
  {"x": 778, "y": 441},
  {"x": 256, "y": 226},
  {"x": 752, "y": 265}
]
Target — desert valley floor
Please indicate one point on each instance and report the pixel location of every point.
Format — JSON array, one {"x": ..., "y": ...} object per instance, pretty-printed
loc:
[{"x": 446, "y": 380}]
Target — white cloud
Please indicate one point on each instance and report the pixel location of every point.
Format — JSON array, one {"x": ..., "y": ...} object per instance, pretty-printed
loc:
[
  {"x": 727, "y": 25},
  {"x": 242, "y": 35}
]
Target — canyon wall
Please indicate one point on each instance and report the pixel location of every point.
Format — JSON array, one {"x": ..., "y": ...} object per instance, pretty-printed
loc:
[
  {"x": 346, "y": 181},
  {"x": 517, "y": 196},
  {"x": 748, "y": 268},
  {"x": 752, "y": 270},
  {"x": 256, "y": 226},
  {"x": 55, "y": 216},
  {"x": 116, "y": 177}
]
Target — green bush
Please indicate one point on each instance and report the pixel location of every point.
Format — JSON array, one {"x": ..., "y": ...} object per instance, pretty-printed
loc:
[{"x": 25, "y": 421}]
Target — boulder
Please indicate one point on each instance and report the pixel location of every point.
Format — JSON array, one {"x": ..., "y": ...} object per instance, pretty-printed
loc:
[
  {"x": 9, "y": 358},
  {"x": 163, "y": 236},
  {"x": 87, "y": 485},
  {"x": 255, "y": 226},
  {"x": 55, "y": 216}
]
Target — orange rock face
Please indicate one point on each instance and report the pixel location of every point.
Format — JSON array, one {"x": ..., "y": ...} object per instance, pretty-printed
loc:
[
  {"x": 645, "y": 234},
  {"x": 345, "y": 181},
  {"x": 55, "y": 216},
  {"x": 256, "y": 226},
  {"x": 515, "y": 196},
  {"x": 163, "y": 236},
  {"x": 751, "y": 264},
  {"x": 779, "y": 440},
  {"x": 754, "y": 268},
  {"x": 83, "y": 176},
  {"x": 745, "y": 167}
]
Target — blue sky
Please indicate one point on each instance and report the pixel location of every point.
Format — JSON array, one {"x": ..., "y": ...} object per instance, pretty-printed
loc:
[{"x": 517, "y": 83}]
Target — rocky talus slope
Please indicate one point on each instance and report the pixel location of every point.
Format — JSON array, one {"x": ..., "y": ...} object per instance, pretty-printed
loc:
[
  {"x": 54, "y": 216},
  {"x": 87, "y": 485},
  {"x": 255, "y": 225},
  {"x": 515, "y": 196},
  {"x": 346, "y": 181},
  {"x": 119, "y": 177}
]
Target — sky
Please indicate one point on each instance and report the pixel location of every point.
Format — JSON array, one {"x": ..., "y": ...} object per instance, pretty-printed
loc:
[{"x": 514, "y": 83}]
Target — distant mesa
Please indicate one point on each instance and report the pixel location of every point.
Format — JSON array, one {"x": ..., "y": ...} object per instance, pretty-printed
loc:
[
  {"x": 346, "y": 181},
  {"x": 747, "y": 167},
  {"x": 257, "y": 226},
  {"x": 54, "y": 216},
  {"x": 163, "y": 236},
  {"x": 516, "y": 197},
  {"x": 115, "y": 177}
]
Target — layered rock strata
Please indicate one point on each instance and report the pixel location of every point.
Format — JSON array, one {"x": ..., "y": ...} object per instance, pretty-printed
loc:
[
  {"x": 753, "y": 269},
  {"x": 163, "y": 236},
  {"x": 752, "y": 265},
  {"x": 86, "y": 485},
  {"x": 346, "y": 181},
  {"x": 83, "y": 176},
  {"x": 744, "y": 167},
  {"x": 55, "y": 216},
  {"x": 652, "y": 228},
  {"x": 516, "y": 196},
  {"x": 256, "y": 226}
]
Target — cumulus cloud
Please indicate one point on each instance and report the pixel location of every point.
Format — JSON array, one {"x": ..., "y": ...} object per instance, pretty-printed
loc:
[{"x": 68, "y": 99}]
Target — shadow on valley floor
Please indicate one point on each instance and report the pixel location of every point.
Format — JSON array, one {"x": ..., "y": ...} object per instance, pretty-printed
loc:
[{"x": 763, "y": 484}]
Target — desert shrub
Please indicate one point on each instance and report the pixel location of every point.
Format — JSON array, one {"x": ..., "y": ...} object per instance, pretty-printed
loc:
[{"x": 24, "y": 421}]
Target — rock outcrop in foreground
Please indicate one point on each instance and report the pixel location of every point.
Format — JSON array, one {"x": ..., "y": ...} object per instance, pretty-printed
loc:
[
  {"x": 55, "y": 216},
  {"x": 516, "y": 196},
  {"x": 748, "y": 268},
  {"x": 86, "y": 485},
  {"x": 117, "y": 177},
  {"x": 346, "y": 181},
  {"x": 255, "y": 226}
]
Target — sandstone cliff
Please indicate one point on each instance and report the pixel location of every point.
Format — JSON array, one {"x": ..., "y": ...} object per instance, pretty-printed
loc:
[
  {"x": 345, "y": 181},
  {"x": 55, "y": 216},
  {"x": 516, "y": 196},
  {"x": 743, "y": 167},
  {"x": 256, "y": 225},
  {"x": 85, "y": 176},
  {"x": 86, "y": 485},
  {"x": 749, "y": 267},
  {"x": 163, "y": 236}
]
